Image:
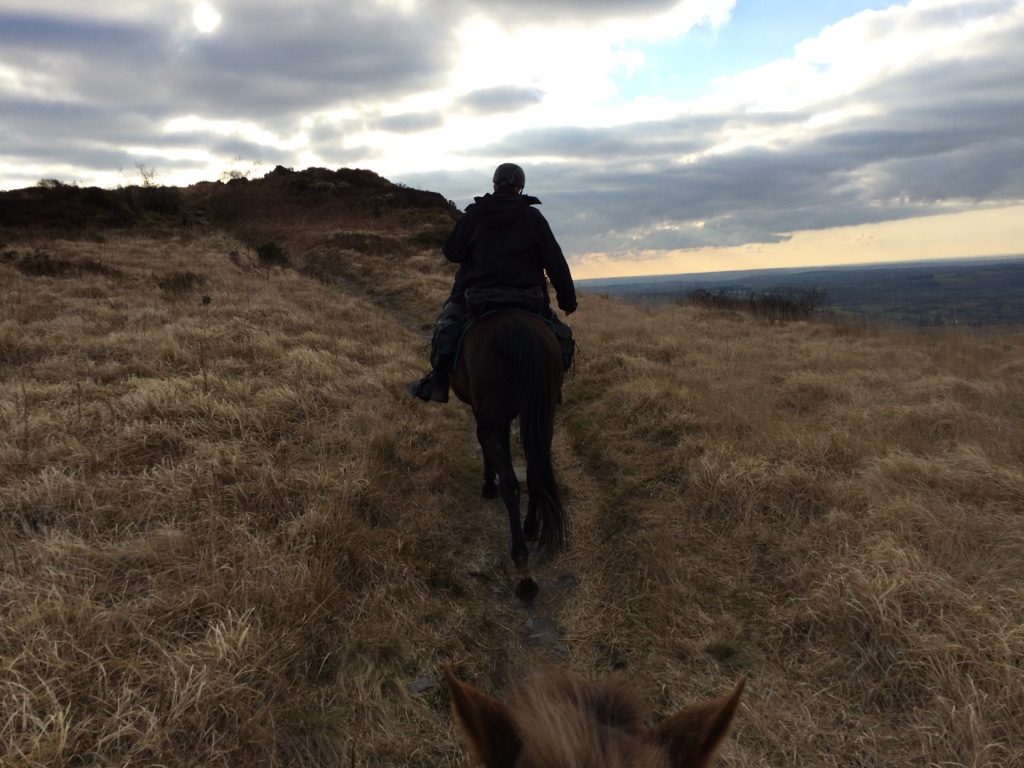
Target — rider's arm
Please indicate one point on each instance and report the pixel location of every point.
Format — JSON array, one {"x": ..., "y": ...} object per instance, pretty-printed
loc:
[
  {"x": 459, "y": 245},
  {"x": 554, "y": 263}
]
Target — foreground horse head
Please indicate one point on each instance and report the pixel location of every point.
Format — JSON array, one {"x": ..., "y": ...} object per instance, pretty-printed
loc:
[
  {"x": 559, "y": 720},
  {"x": 510, "y": 366}
]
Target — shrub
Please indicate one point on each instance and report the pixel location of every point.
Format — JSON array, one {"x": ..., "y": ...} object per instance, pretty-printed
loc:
[
  {"x": 153, "y": 199},
  {"x": 774, "y": 306},
  {"x": 272, "y": 255},
  {"x": 54, "y": 184}
]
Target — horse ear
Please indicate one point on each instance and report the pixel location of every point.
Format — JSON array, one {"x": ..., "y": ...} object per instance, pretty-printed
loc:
[
  {"x": 693, "y": 735},
  {"x": 486, "y": 723}
]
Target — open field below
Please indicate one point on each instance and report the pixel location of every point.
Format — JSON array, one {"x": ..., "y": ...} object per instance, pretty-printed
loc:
[
  {"x": 974, "y": 292},
  {"x": 228, "y": 536}
]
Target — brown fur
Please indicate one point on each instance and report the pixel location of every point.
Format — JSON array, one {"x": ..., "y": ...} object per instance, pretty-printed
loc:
[{"x": 558, "y": 720}]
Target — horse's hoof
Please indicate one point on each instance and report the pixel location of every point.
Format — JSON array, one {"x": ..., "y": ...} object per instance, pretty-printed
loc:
[
  {"x": 490, "y": 491},
  {"x": 527, "y": 589}
]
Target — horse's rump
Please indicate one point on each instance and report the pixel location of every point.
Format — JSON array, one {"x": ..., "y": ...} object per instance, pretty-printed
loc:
[{"x": 505, "y": 362}]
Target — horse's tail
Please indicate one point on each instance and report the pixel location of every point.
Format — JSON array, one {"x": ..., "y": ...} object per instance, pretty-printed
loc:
[{"x": 530, "y": 393}]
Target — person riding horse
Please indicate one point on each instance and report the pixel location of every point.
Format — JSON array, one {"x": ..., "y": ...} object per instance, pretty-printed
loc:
[{"x": 503, "y": 246}]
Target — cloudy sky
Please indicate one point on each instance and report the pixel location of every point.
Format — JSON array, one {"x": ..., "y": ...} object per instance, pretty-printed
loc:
[{"x": 662, "y": 136}]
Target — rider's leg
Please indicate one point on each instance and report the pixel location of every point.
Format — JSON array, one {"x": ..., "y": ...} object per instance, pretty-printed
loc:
[
  {"x": 446, "y": 341},
  {"x": 447, "y": 330}
]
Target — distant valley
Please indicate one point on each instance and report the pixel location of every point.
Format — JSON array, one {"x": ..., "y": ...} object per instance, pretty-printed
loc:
[{"x": 982, "y": 291}]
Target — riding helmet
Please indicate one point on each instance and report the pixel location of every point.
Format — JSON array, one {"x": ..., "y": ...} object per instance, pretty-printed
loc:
[{"x": 511, "y": 173}]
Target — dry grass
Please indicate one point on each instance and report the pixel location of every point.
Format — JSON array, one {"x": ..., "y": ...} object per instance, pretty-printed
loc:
[
  {"x": 229, "y": 537},
  {"x": 837, "y": 511},
  {"x": 368, "y": 237},
  {"x": 224, "y": 537}
]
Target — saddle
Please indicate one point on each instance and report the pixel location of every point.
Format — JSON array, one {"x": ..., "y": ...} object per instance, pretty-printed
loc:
[{"x": 481, "y": 301}]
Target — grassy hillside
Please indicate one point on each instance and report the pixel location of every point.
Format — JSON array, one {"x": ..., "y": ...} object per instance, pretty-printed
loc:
[{"x": 229, "y": 537}]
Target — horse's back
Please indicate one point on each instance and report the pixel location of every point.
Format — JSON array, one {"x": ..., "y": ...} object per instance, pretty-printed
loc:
[{"x": 495, "y": 343}]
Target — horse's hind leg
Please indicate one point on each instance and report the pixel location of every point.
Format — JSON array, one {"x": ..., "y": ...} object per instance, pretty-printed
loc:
[
  {"x": 494, "y": 440},
  {"x": 489, "y": 490},
  {"x": 531, "y": 526}
]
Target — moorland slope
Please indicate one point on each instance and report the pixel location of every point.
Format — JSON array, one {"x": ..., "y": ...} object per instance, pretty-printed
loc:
[{"x": 229, "y": 537}]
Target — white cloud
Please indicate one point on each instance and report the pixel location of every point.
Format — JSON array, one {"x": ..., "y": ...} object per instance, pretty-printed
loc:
[
  {"x": 864, "y": 49},
  {"x": 573, "y": 63},
  {"x": 248, "y": 131}
]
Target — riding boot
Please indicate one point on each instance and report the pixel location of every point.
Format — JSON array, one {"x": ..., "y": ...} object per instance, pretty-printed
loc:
[
  {"x": 421, "y": 388},
  {"x": 434, "y": 386},
  {"x": 438, "y": 385},
  {"x": 442, "y": 361},
  {"x": 447, "y": 330}
]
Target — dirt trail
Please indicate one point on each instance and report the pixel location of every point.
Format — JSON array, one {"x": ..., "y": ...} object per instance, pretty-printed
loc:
[
  {"x": 536, "y": 622},
  {"x": 534, "y": 636}
]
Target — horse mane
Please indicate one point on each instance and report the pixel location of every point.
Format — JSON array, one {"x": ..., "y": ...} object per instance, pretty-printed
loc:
[{"x": 565, "y": 720}]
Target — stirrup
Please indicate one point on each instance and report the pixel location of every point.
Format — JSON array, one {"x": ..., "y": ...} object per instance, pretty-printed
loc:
[{"x": 420, "y": 388}]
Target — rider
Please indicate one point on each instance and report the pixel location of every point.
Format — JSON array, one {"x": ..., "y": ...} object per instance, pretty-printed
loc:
[{"x": 502, "y": 242}]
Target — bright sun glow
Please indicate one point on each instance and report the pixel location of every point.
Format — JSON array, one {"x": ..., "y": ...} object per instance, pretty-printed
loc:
[{"x": 206, "y": 18}]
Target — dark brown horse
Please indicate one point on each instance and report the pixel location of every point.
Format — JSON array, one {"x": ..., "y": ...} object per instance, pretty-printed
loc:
[
  {"x": 557, "y": 719},
  {"x": 510, "y": 365}
]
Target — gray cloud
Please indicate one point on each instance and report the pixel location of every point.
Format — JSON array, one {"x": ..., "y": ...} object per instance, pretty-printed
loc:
[
  {"x": 278, "y": 56},
  {"x": 411, "y": 122},
  {"x": 524, "y": 12},
  {"x": 499, "y": 100},
  {"x": 266, "y": 58},
  {"x": 110, "y": 85},
  {"x": 31, "y": 32}
]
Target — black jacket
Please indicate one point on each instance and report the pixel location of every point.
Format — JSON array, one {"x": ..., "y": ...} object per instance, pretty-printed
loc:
[{"x": 502, "y": 241}]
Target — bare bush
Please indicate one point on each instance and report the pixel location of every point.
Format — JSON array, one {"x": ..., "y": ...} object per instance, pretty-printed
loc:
[{"x": 772, "y": 306}]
